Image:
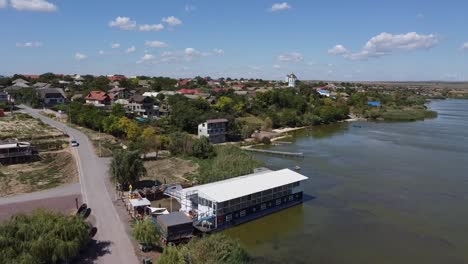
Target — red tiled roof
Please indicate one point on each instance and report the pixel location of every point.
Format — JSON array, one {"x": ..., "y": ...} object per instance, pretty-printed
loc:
[
  {"x": 184, "y": 82},
  {"x": 189, "y": 91},
  {"x": 116, "y": 78},
  {"x": 31, "y": 76},
  {"x": 97, "y": 95}
]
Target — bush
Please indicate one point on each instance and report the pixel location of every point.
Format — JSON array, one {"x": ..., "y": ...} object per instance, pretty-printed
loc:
[
  {"x": 212, "y": 249},
  {"x": 266, "y": 141},
  {"x": 42, "y": 237},
  {"x": 202, "y": 148},
  {"x": 145, "y": 232},
  {"x": 230, "y": 161}
]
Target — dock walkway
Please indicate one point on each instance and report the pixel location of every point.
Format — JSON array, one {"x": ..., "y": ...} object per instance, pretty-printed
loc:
[{"x": 274, "y": 152}]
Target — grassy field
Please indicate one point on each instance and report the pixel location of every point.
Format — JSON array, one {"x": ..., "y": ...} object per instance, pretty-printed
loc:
[
  {"x": 230, "y": 161},
  {"x": 51, "y": 170}
]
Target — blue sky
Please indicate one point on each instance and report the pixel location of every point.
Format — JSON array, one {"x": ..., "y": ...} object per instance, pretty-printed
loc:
[{"x": 327, "y": 40}]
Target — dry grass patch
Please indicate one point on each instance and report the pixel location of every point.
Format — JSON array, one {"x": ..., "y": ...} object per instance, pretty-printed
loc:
[
  {"x": 52, "y": 170},
  {"x": 24, "y": 127},
  {"x": 171, "y": 170}
]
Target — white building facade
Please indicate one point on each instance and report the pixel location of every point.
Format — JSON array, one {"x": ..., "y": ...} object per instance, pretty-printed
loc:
[{"x": 291, "y": 80}]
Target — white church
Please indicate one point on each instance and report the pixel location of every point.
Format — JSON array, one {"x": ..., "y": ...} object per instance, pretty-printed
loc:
[{"x": 291, "y": 80}]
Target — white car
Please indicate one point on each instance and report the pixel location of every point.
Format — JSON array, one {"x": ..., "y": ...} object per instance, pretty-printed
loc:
[{"x": 74, "y": 143}]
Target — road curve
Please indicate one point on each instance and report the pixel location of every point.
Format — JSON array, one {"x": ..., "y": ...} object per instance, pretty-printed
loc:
[{"x": 93, "y": 172}]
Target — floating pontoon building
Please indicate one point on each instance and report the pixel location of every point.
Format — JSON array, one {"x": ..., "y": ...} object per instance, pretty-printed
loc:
[{"x": 229, "y": 202}]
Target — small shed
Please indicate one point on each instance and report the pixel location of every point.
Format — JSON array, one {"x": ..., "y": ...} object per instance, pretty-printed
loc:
[
  {"x": 137, "y": 207},
  {"x": 175, "y": 226}
]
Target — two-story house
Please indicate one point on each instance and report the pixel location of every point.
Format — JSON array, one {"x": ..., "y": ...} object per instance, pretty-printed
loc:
[
  {"x": 51, "y": 96},
  {"x": 214, "y": 129},
  {"x": 98, "y": 98},
  {"x": 142, "y": 106}
]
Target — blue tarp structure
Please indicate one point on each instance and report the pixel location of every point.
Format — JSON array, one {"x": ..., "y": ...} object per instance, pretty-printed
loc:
[{"x": 373, "y": 103}]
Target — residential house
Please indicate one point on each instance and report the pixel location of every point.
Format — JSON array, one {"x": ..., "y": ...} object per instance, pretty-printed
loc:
[
  {"x": 291, "y": 80},
  {"x": 183, "y": 83},
  {"x": 324, "y": 92},
  {"x": 144, "y": 84},
  {"x": 214, "y": 129},
  {"x": 116, "y": 77},
  {"x": 41, "y": 85},
  {"x": 118, "y": 93},
  {"x": 151, "y": 94},
  {"x": 188, "y": 91},
  {"x": 4, "y": 97},
  {"x": 32, "y": 76},
  {"x": 20, "y": 83},
  {"x": 142, "y": 106},
  {"x": 98, "y": 98},
  {"x": 51, "y": 96}
]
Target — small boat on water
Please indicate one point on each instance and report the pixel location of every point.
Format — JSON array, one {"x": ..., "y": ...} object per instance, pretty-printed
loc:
[
  {"x": 297, "y": 168},
  {"x": 358, "y": 126}
]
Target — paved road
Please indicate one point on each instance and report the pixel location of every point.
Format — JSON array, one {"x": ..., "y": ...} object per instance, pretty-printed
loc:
[{"x": 93, "y": 173}]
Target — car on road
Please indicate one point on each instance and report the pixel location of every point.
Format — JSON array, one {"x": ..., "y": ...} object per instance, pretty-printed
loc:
[{"x": 74, "y": 143}]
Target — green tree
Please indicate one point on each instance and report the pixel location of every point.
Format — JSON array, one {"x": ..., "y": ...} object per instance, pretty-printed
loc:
[
  {"x": 118, "y": 110},
  {"x": 127, "y": 167},
  {"x": 43, "y": 237},
  {"x": 172, "y": 255},
  {"x": 202, "y": 148},
  {"x": 211, "y": 249},
  {"x": 224, "y": 104},
  {"x": 145, "y": 232}
]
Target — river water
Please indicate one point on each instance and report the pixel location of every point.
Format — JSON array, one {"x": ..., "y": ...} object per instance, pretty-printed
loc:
[{"x": 377, "y": 192}]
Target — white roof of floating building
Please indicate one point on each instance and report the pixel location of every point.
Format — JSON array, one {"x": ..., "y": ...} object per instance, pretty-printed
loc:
[{"x": 245, "y": 185}]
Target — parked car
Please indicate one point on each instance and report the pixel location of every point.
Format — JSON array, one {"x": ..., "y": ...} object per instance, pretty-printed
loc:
[{"x": 74, "y": 143}]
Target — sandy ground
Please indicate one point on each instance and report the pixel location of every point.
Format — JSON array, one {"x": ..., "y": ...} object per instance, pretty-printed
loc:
[
  {"x": 286, "y": 129},
  {"x": 53, "y": 169},
  {"x": 171, "y": 170}
]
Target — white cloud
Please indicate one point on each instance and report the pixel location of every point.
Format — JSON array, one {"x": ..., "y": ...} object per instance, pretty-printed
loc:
[
  {"x": 80, "y": 56},
  {"x": 218, "y": 52},
  {"x": 156, "y": 44},
  {"x": 33, "y": 5},
  {"x": 276, "y": 66},
  {"x": 291, "y": 57},
  {"x": 147, "y": 27},
  {"x": 131, "y": 49},
  {"x": 3, "y": 3},
  {"x": 338, "y": 50},
  {"x": 115, "y": 45},
  {"x": 280, "y": 7},
  {"x": 172, "y": 21},
  {"x": 191, "y": 52},
  {"x": 124, "y": 23},
  {"x": 146, "y": 58},
  {"x": 101, "y": 52},
  {"x": 190, "y": 8},
  {"x": 386, "y": 44},
  {"x": 465, "y": 46},
  {"x": 34, "y": 44}
]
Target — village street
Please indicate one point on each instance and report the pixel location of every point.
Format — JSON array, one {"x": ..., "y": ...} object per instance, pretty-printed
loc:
[{"x": 93, "y": 174}]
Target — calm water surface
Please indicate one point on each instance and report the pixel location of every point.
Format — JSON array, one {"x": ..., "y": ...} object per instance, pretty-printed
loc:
[{"x": 378, "y": 193}]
